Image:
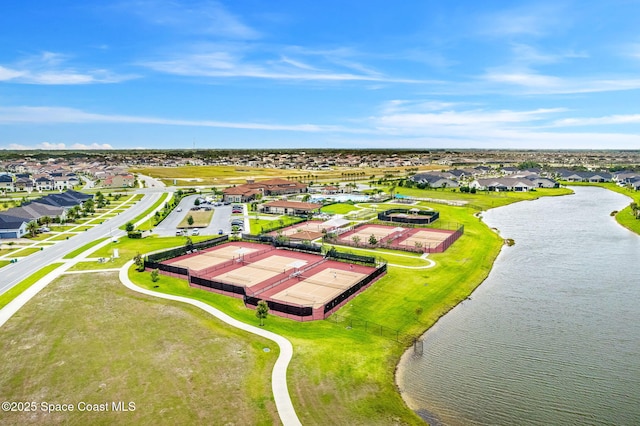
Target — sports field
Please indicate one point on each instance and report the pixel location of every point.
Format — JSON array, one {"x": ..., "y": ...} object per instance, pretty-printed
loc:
[
  {"x": 263, "y": 272},
  {"x": 429, "y": 240}
]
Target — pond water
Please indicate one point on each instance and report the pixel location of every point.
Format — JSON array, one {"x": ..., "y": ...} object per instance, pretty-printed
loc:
[{"x": 552, "y": 335}]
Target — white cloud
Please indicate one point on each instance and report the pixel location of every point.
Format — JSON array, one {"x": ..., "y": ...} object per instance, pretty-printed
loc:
[
  {"x": 205, "y": 17},
  {"x": 48, "y": 68},
  {"x": 58, "y": 146},
  {"x": 235, "y": 60},
  {"x": 592, "y": 121},
  {"x": 57, "y": 115},
  {"x": 534, "y": 20}
]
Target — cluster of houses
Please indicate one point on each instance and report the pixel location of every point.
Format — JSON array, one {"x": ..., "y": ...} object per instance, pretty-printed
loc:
[
  {"x": 512, "y": 179},
  {"x": 26, "y": 182},
  {"x": 14, "y": 221},
  {"x": 58, "y": 174}
]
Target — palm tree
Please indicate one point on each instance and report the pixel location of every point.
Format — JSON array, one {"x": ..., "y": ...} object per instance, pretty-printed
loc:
[{"x": 32, "y": 227}]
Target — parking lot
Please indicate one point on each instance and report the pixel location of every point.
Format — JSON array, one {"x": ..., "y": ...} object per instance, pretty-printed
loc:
[{"x": 219, "y": 222}]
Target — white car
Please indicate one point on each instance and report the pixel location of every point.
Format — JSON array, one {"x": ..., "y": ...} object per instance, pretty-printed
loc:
[
  {"x": 195, "y": 232},
  {"x": 179, "y": 209}
]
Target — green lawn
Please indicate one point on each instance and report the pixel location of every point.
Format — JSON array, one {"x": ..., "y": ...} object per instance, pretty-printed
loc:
[
  {"x": 128, "y": 248},
  {"x": 201, "y": 219},
  {"x": 163, "y": 199},
  {"x": 338, "y": 208},
  {"x": 61, "y": 237},
  {"x": 88, "y": 338},
  {"x": 6, "y": 251},
  {"x": 4, "y": 263},
  {"x": 25, "y": 252},
  {"x": 259, "y": 226},
  {"x": 84, "y": 248},
  {"x": 16, "y": 290},
  {"x": 481, "y": 200}
]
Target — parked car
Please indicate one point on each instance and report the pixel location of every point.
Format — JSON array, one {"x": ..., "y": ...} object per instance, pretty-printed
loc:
[
  {"x": 178, "y": 233},
  {"x": 220, "y": 232},
  {"x": 43, "y": 229},
  {"x": 179, "y": 209},
  {"x": 195, "y": 232}
]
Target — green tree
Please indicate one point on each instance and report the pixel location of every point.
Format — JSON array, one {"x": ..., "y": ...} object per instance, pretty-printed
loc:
[
  {"x": 129, "y": 227},
  {"x": 196, "y": 202},
  {"x": 355, "y": 239},
  {"x": 155, "y": 276},
  {"x": 139, "y": 262},
  {"x": 190, "y": 220},
  {"x": 32, "y": 227},
  {"x": 262, "y": 311},
  {"x": 373, "y": 240}
]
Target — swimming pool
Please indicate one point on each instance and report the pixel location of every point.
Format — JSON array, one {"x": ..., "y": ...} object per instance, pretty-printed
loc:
[{"x": 341, "y": 198}]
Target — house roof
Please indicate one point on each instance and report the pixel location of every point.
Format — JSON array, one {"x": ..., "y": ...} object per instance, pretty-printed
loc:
[
  {"x": 10, "y": 222},
  {"x": 293, "y": 205},
  {"x": 504, "y": 182}
]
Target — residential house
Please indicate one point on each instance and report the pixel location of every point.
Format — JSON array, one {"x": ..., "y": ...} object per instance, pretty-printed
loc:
[
  {"x": 502, "y": 184},
  {"x": 434, "y": 180},
  {"x": 119, "y": 181},
  {"x": 6, "y": 183},
  {"x": 12, "y": 227},
  {"x": 291, "y": 208},
  {"x": 24, "y": 184},
  {"x": 44, "y": 183}
]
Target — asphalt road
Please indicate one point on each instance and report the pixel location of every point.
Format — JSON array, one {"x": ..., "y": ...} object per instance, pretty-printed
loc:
[{"x": 13, "y": 273}]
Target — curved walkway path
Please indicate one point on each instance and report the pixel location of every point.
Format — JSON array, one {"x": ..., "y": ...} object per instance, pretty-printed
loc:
[{"x": 279, "y": 375}]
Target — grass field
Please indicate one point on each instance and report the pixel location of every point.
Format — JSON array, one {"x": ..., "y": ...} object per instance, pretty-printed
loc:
[
  {"x": 128, "y": 248},
  {"x": 338, "y": 208},
  {"x": 259, "y": 225},
  {"x": 86, "y": 338},
  {"x": 226, "y": 175},
  {"x": 201, "y": 219},
  {"x": 16, "y": 290},
  {"x": 481, "y": 200}
]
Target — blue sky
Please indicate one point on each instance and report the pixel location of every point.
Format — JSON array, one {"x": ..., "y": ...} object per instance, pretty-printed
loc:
[{"x": 319, "y": 74}]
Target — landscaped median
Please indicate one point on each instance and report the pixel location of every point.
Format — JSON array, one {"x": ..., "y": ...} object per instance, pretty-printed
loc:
[
  {"x": 18, "y": 289},
  {"x": 199, "y": 219}
]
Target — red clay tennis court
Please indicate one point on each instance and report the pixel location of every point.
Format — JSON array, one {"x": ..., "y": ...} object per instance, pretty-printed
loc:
[
  {"x": 427, "y": 240},
  {"x": 296, "y": 284}
]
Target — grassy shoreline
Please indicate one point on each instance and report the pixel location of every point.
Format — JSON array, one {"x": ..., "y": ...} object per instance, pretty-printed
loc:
[{"x": 624, "y": 217}]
